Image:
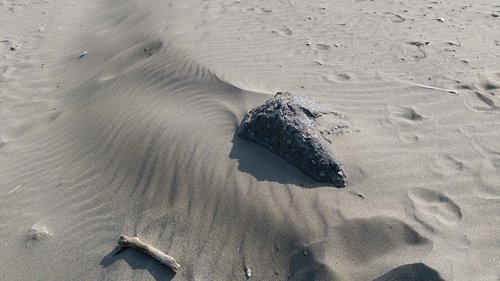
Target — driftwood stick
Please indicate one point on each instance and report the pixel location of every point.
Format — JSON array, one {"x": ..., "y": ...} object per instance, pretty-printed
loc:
[
  {"x": 434, "y": 88},
  {"x": 136, "y": 243}
]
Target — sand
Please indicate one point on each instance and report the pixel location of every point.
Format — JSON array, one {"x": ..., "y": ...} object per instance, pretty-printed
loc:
[{"x": 119, "y": 116}]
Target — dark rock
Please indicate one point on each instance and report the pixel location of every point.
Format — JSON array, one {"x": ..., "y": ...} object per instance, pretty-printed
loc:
[{"x": 290, "y": 126}]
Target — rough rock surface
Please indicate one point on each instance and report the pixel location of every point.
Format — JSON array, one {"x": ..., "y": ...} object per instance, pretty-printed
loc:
[{"x": 288, "y": 125}]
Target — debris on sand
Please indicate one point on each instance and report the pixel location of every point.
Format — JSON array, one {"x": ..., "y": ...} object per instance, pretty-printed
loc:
[
  {"x": 82, "y": 54},
  {"x": 135, "y": 243},
  {"x": 418, "y": 44},
  {"x": 38, "y": 232}
]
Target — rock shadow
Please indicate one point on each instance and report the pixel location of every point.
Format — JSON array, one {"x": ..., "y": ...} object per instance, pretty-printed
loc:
[{"x": 264, "y": 165}]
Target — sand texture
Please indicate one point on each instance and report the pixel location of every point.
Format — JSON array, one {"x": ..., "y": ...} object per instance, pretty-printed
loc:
[{"x": 120, "y": 116}]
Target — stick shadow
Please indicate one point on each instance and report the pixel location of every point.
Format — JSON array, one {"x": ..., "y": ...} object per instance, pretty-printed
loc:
[{"x": 139, "y": 260}]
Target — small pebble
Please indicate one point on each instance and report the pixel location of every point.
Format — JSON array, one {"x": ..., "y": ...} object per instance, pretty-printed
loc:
[{"x": 83, "y": 54}]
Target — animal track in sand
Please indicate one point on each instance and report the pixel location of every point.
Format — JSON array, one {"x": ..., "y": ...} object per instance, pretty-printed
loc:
[
  {"x": 394, "y": 17},
  {"x": 259, "y": 10},
  {"x": 489, "y": 179},
  {"x": 285, "y": 31},
  {"x": 3, "y": 70},
  {"x": 265, "y": 10},
  {"x": 491, "y": 84},
  {"x": 433, "y": 207},
  {"x": 322, "y": 47},
  {"x": 408, "y": 137},
  {"x": 483, "y": 96},
  {"x": 337, "y": 77},
  {"x": 410, "y": 114},
  {"x": 447, "y": 165}
]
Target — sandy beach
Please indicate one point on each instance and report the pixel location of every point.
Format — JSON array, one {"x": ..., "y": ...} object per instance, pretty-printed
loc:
[{"x": 120, "y": 117}]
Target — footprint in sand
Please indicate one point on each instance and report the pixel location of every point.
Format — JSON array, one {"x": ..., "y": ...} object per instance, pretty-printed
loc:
[
  {"x": 403, "y": 116},
  {"x": 414, "y": 50},
  {"x": 433, "y": 208},
  {"x": 361, "y": 241},
  {"x": 490, "y": 86},
  {"x": 488, "y": 100},
  {"x": 411, "y": 272}
]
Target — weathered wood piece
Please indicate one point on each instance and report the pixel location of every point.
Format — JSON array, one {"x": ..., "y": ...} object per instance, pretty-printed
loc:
[
  {"x": 136, "y": 243},
  {"x": 287, "y": 125}
]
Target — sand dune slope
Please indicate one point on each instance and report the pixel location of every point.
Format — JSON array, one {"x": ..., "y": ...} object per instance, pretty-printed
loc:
[{"x": 120, "y": 117}]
